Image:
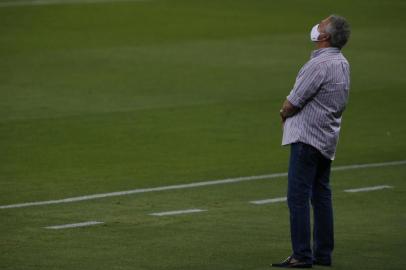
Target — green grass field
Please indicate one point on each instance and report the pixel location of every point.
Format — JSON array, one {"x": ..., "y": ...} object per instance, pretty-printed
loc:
[{"x": 114, "y": 96}]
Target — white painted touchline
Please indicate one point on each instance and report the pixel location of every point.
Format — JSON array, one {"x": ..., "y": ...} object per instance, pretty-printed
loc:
[
  {"x": 368, "y": 165},
  {"x": 74, "y": 225},
  {"x": 192, "y": 185},
  {"x": 146, "y": 190},
  {"x": 177, "y": 212},
  {"x": 60, "y": 2},
  {"x": 364, "y": 189},
  {"x": 266, "y": 201}
]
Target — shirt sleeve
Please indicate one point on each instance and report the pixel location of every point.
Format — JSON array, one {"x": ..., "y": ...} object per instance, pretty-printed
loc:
[{"x": 308, "y": 83}]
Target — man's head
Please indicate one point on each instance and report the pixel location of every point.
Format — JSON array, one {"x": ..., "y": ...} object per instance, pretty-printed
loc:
[{"x": 334, "y": 31}]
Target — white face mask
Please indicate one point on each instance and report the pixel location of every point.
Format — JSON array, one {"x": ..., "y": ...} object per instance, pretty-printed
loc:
[{"x": 314, "y": 34}]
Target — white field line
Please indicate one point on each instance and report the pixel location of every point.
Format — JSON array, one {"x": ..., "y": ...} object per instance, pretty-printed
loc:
[
  {"x": 368, "y": 165},
  {"x": 74, "y": 225},
  {"x": 146, "y": 190},
  {"x": 266, "y": 201},
  {"x": 191, "y": 185},
  {"x": 17, "y": 3},
  {"x": 178, "y": 212},
  {"x": 365, "y": 189}
]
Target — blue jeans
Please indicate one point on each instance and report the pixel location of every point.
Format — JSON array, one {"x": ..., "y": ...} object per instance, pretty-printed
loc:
[{"x": 308, "y": 180}]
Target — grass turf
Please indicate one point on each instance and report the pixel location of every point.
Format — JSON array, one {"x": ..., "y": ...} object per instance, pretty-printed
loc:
[
  {"x": 115, "y": 96},
  {"x": 232, "y": 234}
]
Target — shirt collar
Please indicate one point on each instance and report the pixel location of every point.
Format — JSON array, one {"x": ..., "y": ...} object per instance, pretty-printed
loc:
[{"x": 321, "y": 51}]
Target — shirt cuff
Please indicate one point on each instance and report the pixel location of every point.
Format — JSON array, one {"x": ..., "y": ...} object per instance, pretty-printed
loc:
[{"x": 295, "y": 100}]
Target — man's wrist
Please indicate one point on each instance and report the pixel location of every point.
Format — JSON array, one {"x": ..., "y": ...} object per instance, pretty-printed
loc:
[{"x": 283, "y": 114}]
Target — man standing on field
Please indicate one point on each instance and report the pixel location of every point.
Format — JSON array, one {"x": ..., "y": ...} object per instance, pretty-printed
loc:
[{"x": 311, "y": 117}]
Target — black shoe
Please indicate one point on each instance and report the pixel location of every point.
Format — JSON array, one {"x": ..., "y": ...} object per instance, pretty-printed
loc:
[
  {"x": 317, "y": 262},
  {"x": 291, "y": 262}
]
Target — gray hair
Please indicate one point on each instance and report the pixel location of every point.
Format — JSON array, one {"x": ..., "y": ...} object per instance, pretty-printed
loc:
[{"x": 339, "y": 30}]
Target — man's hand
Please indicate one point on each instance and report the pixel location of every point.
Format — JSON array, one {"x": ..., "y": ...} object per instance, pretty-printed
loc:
[
  {"x": 288, "y": 110},
  {"x": 283, "y": 118}
]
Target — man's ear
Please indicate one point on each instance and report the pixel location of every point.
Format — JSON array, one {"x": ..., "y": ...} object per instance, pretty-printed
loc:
[{"x": 324, "y": 37}]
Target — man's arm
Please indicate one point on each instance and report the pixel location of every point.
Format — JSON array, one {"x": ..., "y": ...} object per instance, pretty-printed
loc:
[
  {"x": 307, "y": 84},
  {"x": 288, "y": 110}
]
